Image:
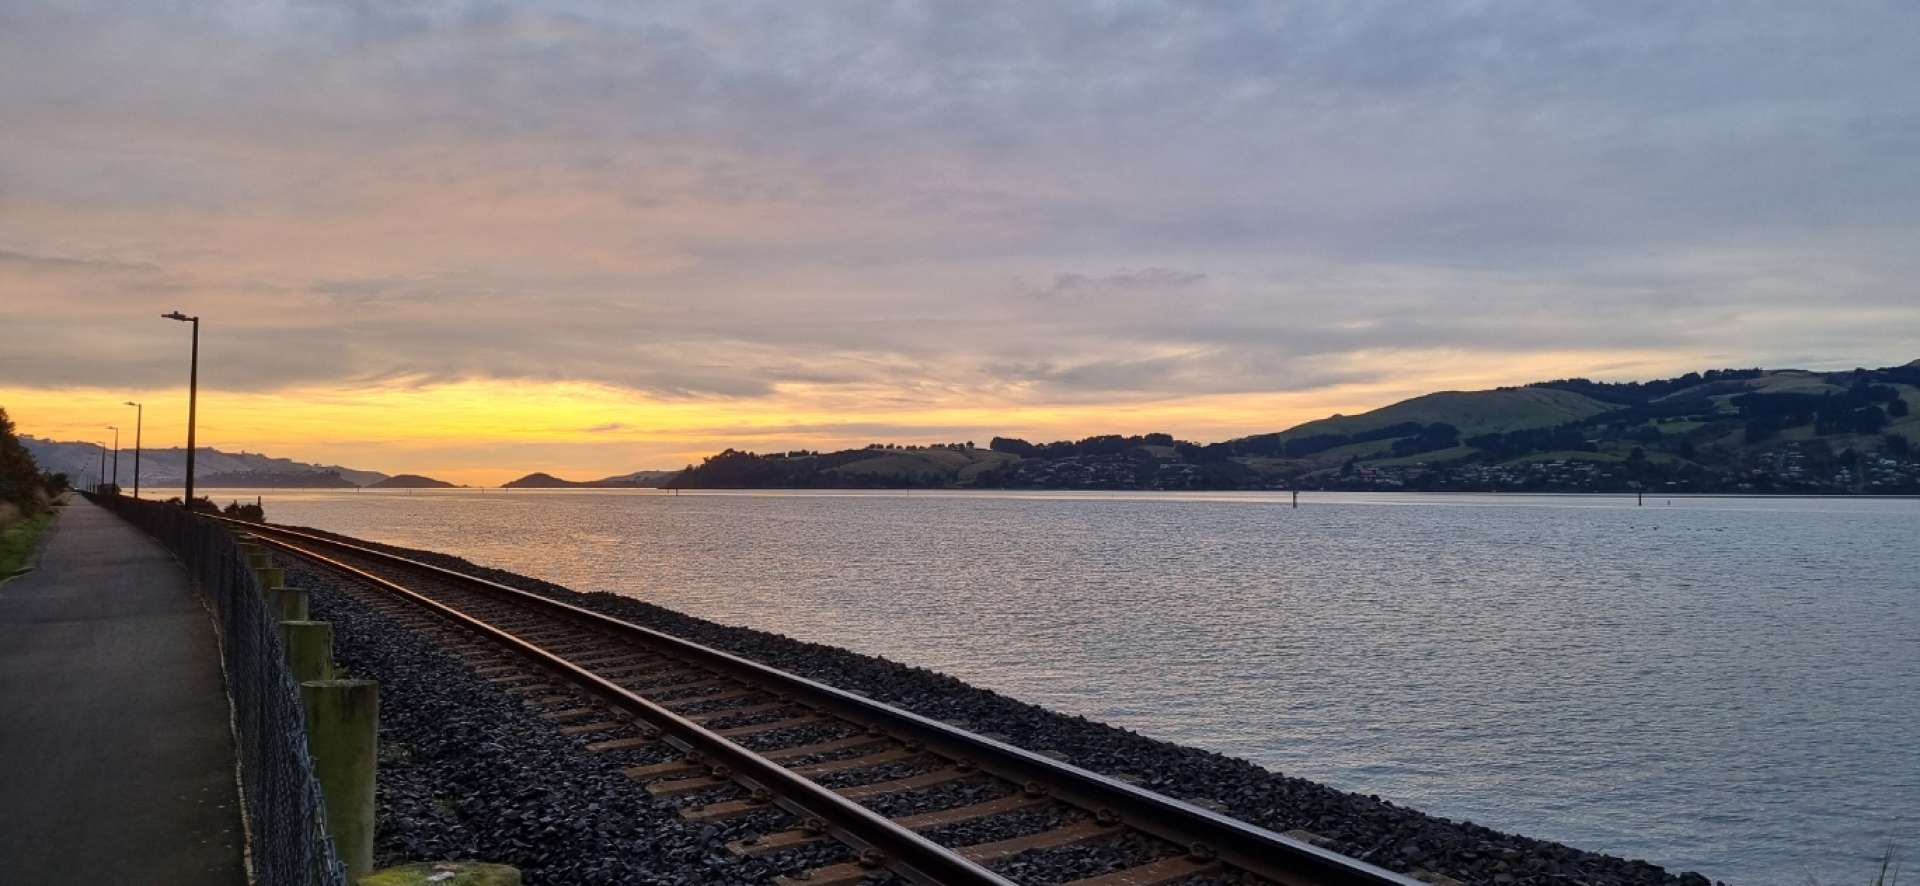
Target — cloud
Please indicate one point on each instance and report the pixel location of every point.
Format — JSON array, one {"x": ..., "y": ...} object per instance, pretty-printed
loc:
[
  {"x": 1146, "y": 280},
  {"x": 909, "y": 205},
  {"x": 61, "y": 263}
]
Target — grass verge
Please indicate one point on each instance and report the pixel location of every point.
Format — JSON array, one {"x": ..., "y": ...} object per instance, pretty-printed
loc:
[{"x": 16, "y": 543}]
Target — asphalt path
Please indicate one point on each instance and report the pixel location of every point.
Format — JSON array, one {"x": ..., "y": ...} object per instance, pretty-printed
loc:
[{"x": 116, "y": 760}]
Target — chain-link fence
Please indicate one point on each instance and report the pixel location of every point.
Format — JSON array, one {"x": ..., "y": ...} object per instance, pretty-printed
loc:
[{"x": 286, "y": 816}]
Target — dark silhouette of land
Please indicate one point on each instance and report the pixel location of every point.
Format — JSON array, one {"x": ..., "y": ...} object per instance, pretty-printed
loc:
[
  {"x": 1728, "y": 430},
  {"x": 635, "y": 480},
  {"x": 1724, "y": 430},
  {"x": 411, "y": 481}
]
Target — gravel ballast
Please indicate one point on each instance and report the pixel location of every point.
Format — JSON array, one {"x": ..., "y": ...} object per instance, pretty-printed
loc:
[
  {"x": 468, "y": 772},
  {"x": 485, "y": 778}
]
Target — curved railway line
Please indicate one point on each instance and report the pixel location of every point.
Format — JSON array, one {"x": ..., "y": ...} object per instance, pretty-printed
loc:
[{"x": 644, "y": 687}]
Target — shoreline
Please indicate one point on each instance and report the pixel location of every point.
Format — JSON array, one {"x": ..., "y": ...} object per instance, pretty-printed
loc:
[
  {"x": 1024, "y": 492},
  {"x": 1364, "y": 826}
]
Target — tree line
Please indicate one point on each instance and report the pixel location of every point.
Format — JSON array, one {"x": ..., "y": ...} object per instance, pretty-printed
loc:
[{"x": 24, "y": 489}]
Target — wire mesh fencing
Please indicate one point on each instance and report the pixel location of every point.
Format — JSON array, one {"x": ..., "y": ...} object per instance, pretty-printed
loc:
[{"x": 288, "y": 837}]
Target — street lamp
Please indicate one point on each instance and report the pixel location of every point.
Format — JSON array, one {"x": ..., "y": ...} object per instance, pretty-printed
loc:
[
  {"x": 100, "y": 476},
  {"x": 139, "y": 418},
  {"x": 116, "y": 457},
  {"x": 193, "y": 396}
]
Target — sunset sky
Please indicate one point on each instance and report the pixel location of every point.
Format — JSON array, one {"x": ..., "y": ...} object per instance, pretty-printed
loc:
[{"x": 472, "y": 241}]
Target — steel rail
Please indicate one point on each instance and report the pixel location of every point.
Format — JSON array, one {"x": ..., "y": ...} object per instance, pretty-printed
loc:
[
  {"x": 904, "y": 852},
  {"x": 1260, "y": 851}
]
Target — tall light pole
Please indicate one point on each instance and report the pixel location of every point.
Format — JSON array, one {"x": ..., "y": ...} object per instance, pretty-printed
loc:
[
  {"x": 193, "y": 396},
  {"x": 100, "y": 476},
  {"x": 139, "y": 419},
  {"x": 116, "y": 457}
]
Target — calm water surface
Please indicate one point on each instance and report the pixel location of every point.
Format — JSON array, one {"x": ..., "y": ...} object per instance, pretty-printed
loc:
[{"x": 1727, "y": 685}]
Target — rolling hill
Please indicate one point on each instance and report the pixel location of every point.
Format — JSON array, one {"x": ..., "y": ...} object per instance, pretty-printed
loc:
[
  {"x": 1472, "y": 412},
  {"x": 1785, "y": 430},
  {"x": 1780, "y": 430},
  {"x": 411, "y": 481},
  {"x": 168, "y": 467},
  {"x": 635, "y": 480},
  {"x": 875, "y": 466}
]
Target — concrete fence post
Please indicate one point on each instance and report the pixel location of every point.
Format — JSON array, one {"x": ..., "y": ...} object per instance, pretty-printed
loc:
[
  {"x": 270, "y": 577},
  {"x": 343, "y": 719},
  {"x": 287, "y": 604},
  {"x": 309, "y": 649}
]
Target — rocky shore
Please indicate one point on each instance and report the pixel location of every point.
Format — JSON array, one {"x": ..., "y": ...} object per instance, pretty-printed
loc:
[{"x": 474, "y": 773}]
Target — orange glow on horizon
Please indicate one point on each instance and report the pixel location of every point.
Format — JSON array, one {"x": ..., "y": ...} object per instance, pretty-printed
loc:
[{"x": 483, "y": 432}]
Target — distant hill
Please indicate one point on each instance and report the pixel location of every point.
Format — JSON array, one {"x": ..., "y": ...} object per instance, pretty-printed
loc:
[
  {"x": 1472, "y": 412},
  {"x": 1723, "y": 430},
  {"x": 537, "y": 480},
  {"x": 411, "y": 481},
  {"x": 258, "y": 479},
  {"x": 1727, "y": 430},
  {"x": 635, "y": 480},
  {"x": 168, "y": 467},
  {"x": 877, "y": 466},
  {"x": 645, "y": 479}
]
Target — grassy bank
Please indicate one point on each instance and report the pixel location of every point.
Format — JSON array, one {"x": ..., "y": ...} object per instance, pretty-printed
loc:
[{"x": 16, "y": 542}]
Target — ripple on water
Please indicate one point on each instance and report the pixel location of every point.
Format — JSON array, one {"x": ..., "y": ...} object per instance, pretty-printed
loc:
[{"x": 1720, "y": 685}]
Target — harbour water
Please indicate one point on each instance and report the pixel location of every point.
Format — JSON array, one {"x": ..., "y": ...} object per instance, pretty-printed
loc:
[{"x": 1718, "y": 684}]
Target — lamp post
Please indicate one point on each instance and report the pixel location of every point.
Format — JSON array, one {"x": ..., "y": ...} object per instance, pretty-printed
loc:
[
  {"x": 193, "y": 396},
  {"x": 139, "y": 418},
  {"x": 116, "y": 457},
  {"x": 100, "y": 476}
]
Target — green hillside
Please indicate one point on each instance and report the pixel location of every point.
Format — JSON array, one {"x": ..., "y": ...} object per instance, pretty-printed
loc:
[
  {"x": 924, "y": 466},
  {"x": 1724, "y": 430},
  {"x": 1472, "y": 412}
]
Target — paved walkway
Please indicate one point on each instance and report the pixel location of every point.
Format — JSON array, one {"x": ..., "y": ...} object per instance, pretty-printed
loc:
[{"x": 116, "y": 762}]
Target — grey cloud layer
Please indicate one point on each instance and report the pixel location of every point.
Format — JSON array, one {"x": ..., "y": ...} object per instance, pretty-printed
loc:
[{"x": 1065, "y": 202}]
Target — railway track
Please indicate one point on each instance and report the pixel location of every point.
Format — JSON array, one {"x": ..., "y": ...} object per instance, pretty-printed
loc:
[{"x": 623, "y": 686}]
